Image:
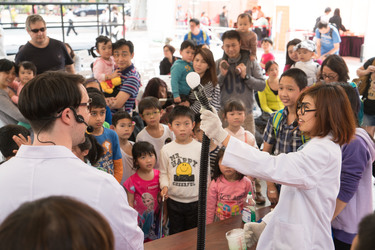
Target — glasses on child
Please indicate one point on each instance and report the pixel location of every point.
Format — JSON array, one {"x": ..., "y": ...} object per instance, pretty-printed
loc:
[
  {"x": 37, "y": 30},
  {"x": 302, "y": 107},
  {"x": 149, "y": 114},
  {"x": 87, "y": 104},
  {"x": 330, "y": 77}
]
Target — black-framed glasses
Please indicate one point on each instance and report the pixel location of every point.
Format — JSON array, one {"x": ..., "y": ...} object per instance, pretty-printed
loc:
[
  {"x": 302, "y": 107},
  {"x": 37, "y": 30},
  {"x": 87, "y": 104}
]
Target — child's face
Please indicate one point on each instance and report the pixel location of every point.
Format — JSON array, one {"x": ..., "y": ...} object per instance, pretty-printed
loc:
[
  {"x": 266, "y": 46},
  {"x": 97, "y": 117},
  {"x": 288, "y": 91},
  {"x": 151, "y": 116},
  {"x": 25, "y": 75},
  {"x": 243, "y": 24},
  {"x": 146, "y": 162},
  {"x": 187, "y": 54},
  {"x": 124, "y": 128},
  {"x": 273, "y": 71},
  {"x": 232, "y": 47},
  {"x": 198, "y": 133},
  {"x": 235, "y": 118},
  {"x": 304, "y": 55},
  {"x": 6, "y": 78},
  {"x": 182, "y": 128},
  {"x": 229, "y": 173},
  {"x": 292, "y": 53},
  {"x": 200, "y": 65},
  {"x": 105, "y": 50},
  {"x": 123, "y": 57}
]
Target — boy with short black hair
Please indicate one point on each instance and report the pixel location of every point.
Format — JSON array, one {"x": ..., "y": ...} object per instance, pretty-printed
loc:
[
  {"x": 180, "y": 69},
  {"x": 179, "y": 171},
  {"x": 282, "y": 132},
  {"x": 7, "y": 144},
  {"x": 306, "y": 51},
  {"x": 111, "y": 161},
  {"x": 156, "y": 133},
  {"x": 267, "y": 55},
  {"x": 123, "y": 125}
]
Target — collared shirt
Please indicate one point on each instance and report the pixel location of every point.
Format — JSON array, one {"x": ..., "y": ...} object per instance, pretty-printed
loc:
[
  {"x": 287, "y": 138},
  {"x": 41, "y": 171}
]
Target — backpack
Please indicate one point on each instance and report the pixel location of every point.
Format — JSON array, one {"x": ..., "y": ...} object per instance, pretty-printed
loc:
[
  {"x": 204, "y": 36},
  {"x": 276, "y": 124}
]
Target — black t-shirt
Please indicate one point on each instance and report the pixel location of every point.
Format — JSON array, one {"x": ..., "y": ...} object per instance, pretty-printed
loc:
[{"x": 53, "y": 57}]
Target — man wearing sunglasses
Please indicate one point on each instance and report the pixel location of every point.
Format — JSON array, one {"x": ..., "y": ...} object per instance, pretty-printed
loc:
[{"x": 46, "y": 53}]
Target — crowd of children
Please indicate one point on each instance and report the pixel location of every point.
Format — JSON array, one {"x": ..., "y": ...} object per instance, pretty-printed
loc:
[{"x": 153, "y": 148}]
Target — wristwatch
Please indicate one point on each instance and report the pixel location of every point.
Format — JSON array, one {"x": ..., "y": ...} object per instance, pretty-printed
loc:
[{"x": 247, "y": 77}]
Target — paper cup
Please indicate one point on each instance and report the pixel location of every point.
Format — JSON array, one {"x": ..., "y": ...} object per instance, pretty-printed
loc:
[{"x": 236, "y": 239}]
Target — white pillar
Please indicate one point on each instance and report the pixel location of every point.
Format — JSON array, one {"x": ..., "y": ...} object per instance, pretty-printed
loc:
[{"x": 369, "y": 48}]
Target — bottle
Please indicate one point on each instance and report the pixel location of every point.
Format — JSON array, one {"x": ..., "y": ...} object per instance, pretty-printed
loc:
[{"x": 248, "y": 212}]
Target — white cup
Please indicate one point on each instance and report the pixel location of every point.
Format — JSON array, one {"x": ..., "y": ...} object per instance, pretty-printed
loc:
[{"x": 236, "y": 239}]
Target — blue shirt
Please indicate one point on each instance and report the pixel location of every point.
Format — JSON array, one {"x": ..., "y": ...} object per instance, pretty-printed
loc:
[
  {"x": 199, "y": 39},
  {"x": 328, "y": 39}
]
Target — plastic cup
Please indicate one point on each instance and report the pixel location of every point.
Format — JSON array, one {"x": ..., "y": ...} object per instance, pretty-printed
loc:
[{"x": 236, "y": 239}]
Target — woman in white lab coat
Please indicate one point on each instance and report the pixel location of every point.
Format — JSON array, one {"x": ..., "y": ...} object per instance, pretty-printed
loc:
[{"x": 310, "y": 176}]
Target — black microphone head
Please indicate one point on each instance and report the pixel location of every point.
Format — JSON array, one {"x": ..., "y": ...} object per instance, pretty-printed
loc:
[
  {"x": 295, "y": 123},
  {"x": 90, "y": 129},
  {"x": 80, "y": 119}
]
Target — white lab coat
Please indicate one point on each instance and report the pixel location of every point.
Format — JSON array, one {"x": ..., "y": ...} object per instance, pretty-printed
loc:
[{"x": 311, "y": 180}]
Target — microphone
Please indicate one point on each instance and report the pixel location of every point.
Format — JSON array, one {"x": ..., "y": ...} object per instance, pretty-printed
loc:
[
  {"x": 80, "y": 119},
  {"x": 295, "y": 123},
  {"x": 193, "y": 80}
]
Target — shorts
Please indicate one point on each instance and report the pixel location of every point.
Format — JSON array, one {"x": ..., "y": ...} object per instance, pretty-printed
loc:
[{"x": 368, "y": 120}]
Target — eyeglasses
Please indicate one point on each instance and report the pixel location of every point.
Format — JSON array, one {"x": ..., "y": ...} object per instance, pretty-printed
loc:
[
  {"x": 330, "y": 77},
  {"x": 151, "y": 113},
  {"x": 87, "y": 104},
  {"x": 37, "y": 30},
  {"x": 302, "y": 107}
]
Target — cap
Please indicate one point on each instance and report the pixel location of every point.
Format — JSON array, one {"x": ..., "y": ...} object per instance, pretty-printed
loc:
[{"x": 307, "y": 44}]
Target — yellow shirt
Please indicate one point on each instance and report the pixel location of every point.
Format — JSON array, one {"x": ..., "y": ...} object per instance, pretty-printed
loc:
[{"x": 269, "y": 102}]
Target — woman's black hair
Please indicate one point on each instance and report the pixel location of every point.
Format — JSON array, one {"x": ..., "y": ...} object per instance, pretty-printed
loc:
[
  {"x": 142, "y": 148},
  {"x": 217, "y": 173},
  {"x": 294, "y": 42},
  {"x": 96, "y": 150},
  {"x": 99, "y": 39},
  {"x": 6, "y": 65}
]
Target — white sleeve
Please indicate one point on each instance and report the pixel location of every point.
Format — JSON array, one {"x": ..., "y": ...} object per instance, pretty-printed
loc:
[{"x": 163, "y": 168}]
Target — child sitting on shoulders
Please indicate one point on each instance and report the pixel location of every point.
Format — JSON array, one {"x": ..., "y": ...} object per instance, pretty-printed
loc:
[
  {"x": 156, "y": 133},
  {"x": 267, "y": 55},
  {"x": 180, "y": 69},
  {"x": 227, "y": 192},
  {"x": 142, "y": 189},
  {"x": 306, "y": 51},
  {"x": 26, "y": 72},
  {"x": 111, "y": 161},
  {"x": 123, "y": 125}
]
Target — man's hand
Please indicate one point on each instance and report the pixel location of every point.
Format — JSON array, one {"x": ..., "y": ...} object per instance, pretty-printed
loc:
[
  {"x": 242, "y": 69},
  {"x": 224, "y": 66},
  {"x": 177, "y": 100},
  {"x": 272, "y": 194},
  {"x": 211, "y": 126}
]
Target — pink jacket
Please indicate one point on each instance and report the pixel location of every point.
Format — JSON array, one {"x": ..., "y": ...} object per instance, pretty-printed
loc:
[{"x": 103, "y": 67}]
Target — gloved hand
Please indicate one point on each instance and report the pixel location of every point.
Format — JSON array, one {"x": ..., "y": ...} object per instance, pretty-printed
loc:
[
  {"x": 253, "y": 230},
  {"x": 211, "y": 126}
]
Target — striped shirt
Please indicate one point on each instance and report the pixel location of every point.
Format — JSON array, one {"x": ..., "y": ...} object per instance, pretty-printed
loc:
[
  {"x": 212, "y": 93},
  {"x": 130, "y": 83}
]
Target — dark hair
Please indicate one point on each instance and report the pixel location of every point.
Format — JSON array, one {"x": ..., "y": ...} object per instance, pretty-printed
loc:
[
  {"x": 47, "y": 94},
  {"x": 231, "y": 34},
  {"x": 90, "y": 80},
  {"x": 293, "y": 42},
  {"x": 267, "y": 40},
  {"x": 96, "y": 150},
  {"x": 31, "y": 19},
  {"x": 97, "y": 100},
  {"x": 28, "y": 65},
  {"x": 322, "y": 24},
  {"x": 99, "y": 39},
  {"x": 194, "y": 20},
  {"x": 116, "y": 117},
  {"x": 245, "y": 15},
  {"x": 142, "y": 148},
  {"x": 353, "y": 97},
  {"x": 180, "y": 111},
  {"x": 187, "y": 44},
  {"x": 336, "y": 12},
  {"x": 233, "y": 105},
  {"x": 7, "y": 144},
  {"x": 328, "y": 9},
  {"x": 7, "y": 65},
  {"x": 56, "y": 222},
  {"x": 216, "y": 171},
  {"x": 298, "y": 75},
  {"x": 72, "y": 54},
  {"x": 149, "y": 102},
  {"x": 122, "y": 42},
  {"x": 210, "y": 74},
  {"x": 152, "y": 87},
  {"x": 337, "y": 65},
  {"x": 366, "y": 230},
  {"x": 334, "y": 114},
  {"x": 269, "y": 64},
  {"x": 170, "y": 48}
]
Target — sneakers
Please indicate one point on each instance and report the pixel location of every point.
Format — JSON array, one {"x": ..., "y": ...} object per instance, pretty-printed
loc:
[{"x": 259, "y": 198}]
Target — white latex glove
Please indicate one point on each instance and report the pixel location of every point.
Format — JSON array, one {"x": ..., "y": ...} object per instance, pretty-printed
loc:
[
  {"x": 253, "y": 230},
  {"x": 211, "y": 126}
]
